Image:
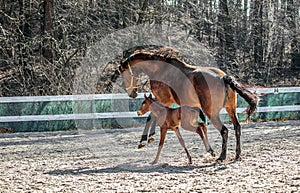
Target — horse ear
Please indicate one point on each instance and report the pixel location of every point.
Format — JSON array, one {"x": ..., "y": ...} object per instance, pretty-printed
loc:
[{"x": 150, "y": 96}]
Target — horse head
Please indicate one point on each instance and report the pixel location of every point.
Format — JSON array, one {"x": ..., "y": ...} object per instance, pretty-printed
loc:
[
  {"x": 145, "y": 107},
  {"x": 130, "y": 80}
]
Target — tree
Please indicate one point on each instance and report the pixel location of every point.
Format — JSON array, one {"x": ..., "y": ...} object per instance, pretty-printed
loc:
[
  {"x": 48, "y": 30},
  {"x": 227, "y": 49},
  {"x": 43, "y": 42},
  {"x": 292, "y": 15},
  {"x": 258, "y": 32}
]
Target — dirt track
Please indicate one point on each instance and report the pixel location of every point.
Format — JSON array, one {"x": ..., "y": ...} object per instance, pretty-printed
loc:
[{"x": 110, "y": 162}]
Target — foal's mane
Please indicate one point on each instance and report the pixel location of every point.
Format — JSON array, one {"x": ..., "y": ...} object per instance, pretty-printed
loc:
[
  {"x": 154, "y": 100},
  {"x": 164, "y": 54}
]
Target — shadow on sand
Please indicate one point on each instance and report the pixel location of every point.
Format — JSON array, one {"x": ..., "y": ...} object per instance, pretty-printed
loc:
[{"x": 138, "y": 168}]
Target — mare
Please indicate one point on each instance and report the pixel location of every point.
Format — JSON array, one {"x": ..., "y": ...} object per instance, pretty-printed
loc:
[
  {"x": 168, "y": 118},
  {"x": 192, "y": 85}
]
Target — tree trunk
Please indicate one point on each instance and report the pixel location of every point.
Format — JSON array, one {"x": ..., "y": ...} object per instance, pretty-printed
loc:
[
  {"x": 258, "y": 33},
  {"x": 48, "y": 30},
  {"x": 226, "y": 37},
  {"x": 292, "y": 24}
]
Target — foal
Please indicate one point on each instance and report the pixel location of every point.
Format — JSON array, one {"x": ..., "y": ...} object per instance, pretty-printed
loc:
[{"x": 168, "y": 118}]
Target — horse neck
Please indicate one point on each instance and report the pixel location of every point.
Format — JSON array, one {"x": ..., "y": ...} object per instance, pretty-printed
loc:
[
  {"x": 147, "y": 67},
  {"x": 154, "y": 68},
  {"x": 156, "y": 108}
]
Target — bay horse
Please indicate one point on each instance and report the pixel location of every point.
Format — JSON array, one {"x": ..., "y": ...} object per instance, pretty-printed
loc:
[
  {"x": 194, "y": 86},
  {"x": 170, "y": 118}
]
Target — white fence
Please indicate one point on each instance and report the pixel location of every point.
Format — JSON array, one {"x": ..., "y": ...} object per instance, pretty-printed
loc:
[{"x": 92, "y": 97}]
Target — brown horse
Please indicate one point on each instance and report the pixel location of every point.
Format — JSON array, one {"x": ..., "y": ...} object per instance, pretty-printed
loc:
[
  {"x": 168, "y": 118},
  {"x": 193, "y": 86},
  {"x": 151, "y": 124},
  {"x": 163, "y": 92}
]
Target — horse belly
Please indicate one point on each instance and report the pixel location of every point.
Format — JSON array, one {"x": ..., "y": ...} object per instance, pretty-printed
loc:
[{"x": 187, "y": 95}]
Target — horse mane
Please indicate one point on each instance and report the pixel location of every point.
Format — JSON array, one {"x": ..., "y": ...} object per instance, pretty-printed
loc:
[
  {"x": 154, "y": 100},
  {"x": 164, "y": 53}
]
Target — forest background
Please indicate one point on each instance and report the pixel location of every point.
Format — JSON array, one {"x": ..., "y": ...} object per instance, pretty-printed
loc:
[{"x": 42, "y": 43}]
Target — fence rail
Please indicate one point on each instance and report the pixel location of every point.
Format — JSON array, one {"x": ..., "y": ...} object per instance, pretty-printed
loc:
[
  {"x": 87, "y": 116},
  {"x": 281, "y": 95},
  {"x": 21, "y": 99}
]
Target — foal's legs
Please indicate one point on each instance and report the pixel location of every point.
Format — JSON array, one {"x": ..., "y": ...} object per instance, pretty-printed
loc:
[
  {"x": 163, "y": 132},
  {"x": 181, "y": 141},
  {"x": 186, "y": 123},
  {"x": 152, "y": 129},
  {"x": 202, "y": 131},
  {"x": 151, "y": 121},
  {"x": 145, "y": 132}
]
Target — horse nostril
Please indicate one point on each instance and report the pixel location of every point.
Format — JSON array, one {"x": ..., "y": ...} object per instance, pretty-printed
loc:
[
  {"x": 133, "y": 94},
  {"x": 140, "y": 113}
]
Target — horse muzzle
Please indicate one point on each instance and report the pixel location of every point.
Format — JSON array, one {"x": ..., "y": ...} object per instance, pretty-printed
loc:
[
  {"x": 133, "y": 94},
  {"x": 139, "y": 113}
]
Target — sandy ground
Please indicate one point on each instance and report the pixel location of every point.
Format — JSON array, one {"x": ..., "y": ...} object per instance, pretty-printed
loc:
[{"x": 109, "y": 161}]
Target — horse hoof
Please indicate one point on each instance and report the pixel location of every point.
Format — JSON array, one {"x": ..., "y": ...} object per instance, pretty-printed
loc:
[
  {"x": 220, "y": 159},
  {"x": 150, "y": 140},
  {"x": 141, "y": 146},
  {"x": 238, "y": 158},
  {"x": 212, "y": 153}
]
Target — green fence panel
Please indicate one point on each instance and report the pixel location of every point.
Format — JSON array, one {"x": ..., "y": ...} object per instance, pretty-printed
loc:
[{"x": 121, "y": 105}]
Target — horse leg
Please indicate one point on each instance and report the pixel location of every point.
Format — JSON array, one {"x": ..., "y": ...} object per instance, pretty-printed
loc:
[
  {"x": 231, "y": 110},
  {"x": 145, "y": 132},
  {"x": 181, "y": 141},
  {"x": 152, "y": 129},
  {"x": 163, "y": 132},
  {"x": 237, "y": 127},
  {"x": 224, "y": 133},
  {"x": 202, "y": 131}
]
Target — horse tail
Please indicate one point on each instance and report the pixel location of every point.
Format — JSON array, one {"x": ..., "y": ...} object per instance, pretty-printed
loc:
[{"x": 251, "y": 98}]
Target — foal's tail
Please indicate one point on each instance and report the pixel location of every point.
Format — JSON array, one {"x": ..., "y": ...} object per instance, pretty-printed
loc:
[{"x": 251, "y": 98}]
